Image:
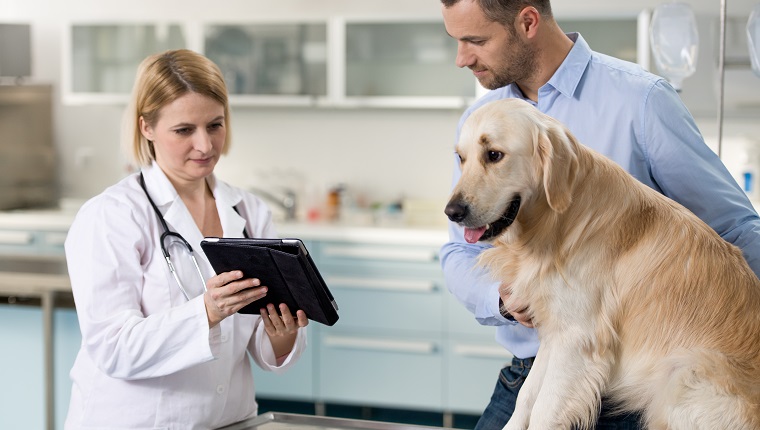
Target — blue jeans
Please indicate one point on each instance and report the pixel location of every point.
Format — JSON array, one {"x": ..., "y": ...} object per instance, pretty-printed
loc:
[{"x": 502, "y": 404}]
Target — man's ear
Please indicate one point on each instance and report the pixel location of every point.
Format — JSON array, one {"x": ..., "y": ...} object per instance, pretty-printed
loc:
[
  {"x": 559, "y": 162},
  {"x": 527, "y": 22}
]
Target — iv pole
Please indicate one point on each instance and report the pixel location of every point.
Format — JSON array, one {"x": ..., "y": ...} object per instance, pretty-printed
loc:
[{"x": 721, "y": 74}]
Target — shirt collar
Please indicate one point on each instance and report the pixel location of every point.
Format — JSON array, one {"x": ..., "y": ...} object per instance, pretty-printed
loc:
[{"x": 570, "y": 73}]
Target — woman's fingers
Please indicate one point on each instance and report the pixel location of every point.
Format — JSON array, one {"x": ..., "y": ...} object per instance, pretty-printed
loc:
[
  {"x": 227, "y": 293},
  {"x": 284, "y": 322},
  {"x": 303, "y": 320}
]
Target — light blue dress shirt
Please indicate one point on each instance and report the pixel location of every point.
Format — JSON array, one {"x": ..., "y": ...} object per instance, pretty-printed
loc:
[{"x": 638, "y": 120}]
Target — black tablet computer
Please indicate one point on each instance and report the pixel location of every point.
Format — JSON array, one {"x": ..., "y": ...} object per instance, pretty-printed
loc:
[{"x": 284, "y": 266}]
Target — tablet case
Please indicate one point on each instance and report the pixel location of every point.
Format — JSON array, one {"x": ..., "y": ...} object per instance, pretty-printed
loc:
[{"x": 284, "y": 266}]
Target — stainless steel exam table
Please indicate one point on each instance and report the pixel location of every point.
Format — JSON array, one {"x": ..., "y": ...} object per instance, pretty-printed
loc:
[{"x": 284, "y": 421}]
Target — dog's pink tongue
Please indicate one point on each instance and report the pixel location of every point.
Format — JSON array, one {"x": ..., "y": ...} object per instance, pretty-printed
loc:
[{"x": 472, "y": 235}]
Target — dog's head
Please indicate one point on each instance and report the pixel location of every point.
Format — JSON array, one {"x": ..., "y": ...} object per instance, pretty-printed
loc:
[{"x": 511, "y": 155}]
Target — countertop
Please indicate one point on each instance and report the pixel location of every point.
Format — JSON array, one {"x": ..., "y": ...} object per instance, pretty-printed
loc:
[{"x": 60, "y": 220}]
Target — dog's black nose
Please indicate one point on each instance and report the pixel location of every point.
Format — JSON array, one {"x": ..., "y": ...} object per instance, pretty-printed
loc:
[{"x": 456, "y": 211}]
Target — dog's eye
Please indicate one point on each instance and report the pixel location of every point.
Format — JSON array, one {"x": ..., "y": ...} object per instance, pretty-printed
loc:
[{"x": 494, "y": 156}]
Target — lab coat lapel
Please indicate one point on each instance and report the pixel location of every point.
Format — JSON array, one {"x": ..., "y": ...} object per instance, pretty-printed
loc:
[
  {"x": 180, "y": 221},
  {"x": 227, "y": 198},
  {"x": 169, "y": 203}
]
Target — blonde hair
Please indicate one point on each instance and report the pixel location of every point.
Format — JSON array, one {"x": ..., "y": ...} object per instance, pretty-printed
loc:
[{"x": 161, "y": 79}]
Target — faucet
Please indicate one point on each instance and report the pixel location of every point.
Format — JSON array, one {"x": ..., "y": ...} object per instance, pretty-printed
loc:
[{"x": 286, "y": 201}]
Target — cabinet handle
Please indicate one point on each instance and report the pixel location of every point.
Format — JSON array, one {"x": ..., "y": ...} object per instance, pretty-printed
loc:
[
  {"x": 418, "y": 347},
  {"x": 55, "y": 239},
  {"x": 405, "y": 255},
  {"x": 380, "y": 284},
  {"x": 481, "y": 351},
  {"x": 15, "y": 238}
]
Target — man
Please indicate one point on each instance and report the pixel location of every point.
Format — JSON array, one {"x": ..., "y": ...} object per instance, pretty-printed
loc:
[{"x": 516, "y": 49}]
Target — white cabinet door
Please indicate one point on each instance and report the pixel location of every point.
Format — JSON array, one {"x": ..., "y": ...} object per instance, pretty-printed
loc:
[
  {"x": 396, "y": 63},
  {"x": 270, "y": 63},
  {"x": 100, "y": 60}
]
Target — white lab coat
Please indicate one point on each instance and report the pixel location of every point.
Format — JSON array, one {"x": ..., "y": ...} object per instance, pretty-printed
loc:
[{"x": 148, "y": 359}]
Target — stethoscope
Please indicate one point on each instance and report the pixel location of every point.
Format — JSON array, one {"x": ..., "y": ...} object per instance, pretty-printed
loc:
[{"x": 170, "y": 234}]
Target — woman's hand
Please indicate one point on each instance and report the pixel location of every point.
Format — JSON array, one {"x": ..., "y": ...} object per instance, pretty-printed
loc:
[
  {"x": 227, "y": 293},
  {"x": 282, "y": 329}
]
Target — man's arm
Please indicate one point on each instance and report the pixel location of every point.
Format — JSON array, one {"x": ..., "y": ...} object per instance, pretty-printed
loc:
[{"x": 689, "y": 172}]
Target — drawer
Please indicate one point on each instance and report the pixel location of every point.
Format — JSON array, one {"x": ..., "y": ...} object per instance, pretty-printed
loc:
[
  {"x": 297, "y": 383},
  {"x": 362, "y": 306},
  {"x": 472, "y": 369},
  {"x": 379, "y": 259},
  {"x": 25, "y": 242},
  {"x": 16, "y": 238},
  {"x": 387, "y": 371}
]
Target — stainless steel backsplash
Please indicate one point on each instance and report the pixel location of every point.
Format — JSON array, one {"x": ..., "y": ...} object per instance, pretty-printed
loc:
[{"x": 27, "y": 153}]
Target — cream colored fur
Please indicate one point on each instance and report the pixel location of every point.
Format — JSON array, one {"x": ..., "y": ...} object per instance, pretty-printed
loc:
[{"x": 634, "y": 298}]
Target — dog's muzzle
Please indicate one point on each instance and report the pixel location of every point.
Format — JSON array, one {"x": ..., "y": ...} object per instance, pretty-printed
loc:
[{"x": 458, "y": 211}]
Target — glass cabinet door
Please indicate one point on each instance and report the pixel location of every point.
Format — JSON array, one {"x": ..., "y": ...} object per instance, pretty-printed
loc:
[
  {"x": 404, "y": 59},
  {"x": 270, "y": 59},
  {"x": 103, "y": 59}
]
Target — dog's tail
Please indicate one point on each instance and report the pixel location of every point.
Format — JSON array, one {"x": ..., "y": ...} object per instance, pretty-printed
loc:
[{"x": 705, "y": 390}]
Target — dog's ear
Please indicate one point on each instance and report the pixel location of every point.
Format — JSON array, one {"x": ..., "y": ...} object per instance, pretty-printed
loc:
[{"x": 559, "y": 162}]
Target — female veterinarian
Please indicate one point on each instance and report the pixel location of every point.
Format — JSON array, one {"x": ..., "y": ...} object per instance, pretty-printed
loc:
[{"x": 162, "y": 344}]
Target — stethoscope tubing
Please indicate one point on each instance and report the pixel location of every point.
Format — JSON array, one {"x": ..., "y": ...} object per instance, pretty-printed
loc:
[{"x": 165, "y": 251}]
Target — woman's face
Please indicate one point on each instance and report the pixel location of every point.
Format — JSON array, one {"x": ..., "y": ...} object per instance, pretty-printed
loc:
[{"x": 188, "y": 137}]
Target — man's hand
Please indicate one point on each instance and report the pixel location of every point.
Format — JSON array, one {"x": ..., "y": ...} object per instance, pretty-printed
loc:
[{"x": 514, "y": 306}]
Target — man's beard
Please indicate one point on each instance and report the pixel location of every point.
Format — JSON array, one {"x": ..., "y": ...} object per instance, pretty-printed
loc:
[{"x": 517, "y": 66}]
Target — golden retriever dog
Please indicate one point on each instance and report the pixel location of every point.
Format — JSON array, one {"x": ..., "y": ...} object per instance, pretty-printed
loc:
[{"x": 635, "y": 299}]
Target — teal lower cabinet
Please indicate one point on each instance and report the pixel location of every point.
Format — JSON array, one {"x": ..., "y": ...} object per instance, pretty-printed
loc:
[
  {"x": 380, "y": 370},
  {"x": 387, "y": 348},
  {"x": 22, "y": 399},
  {"x": 472, "y": 371},
  {"x": 67, "y": 340},
  {"x": 402, "y": 340},
  {"x": 474, "y": 360},
  {"x": 298, "y": 382}
]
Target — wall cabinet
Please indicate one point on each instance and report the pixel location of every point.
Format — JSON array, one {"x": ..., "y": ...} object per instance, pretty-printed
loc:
[
  {"x": 349, "y": 63},
  {"x": 270, "y": 62},
  {"x": 100, "y": 60},
  {"x": 407, "y": 64},
  {"x": 330, "y": 63}
]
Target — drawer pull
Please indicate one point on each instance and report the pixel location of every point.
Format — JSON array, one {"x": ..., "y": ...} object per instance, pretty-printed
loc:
[
  {"x": 55, "y": 239},
  {"x": 417, "y": 347},
  {"x": 380, "y": 284},
  {"x": 15, "y": 238},
  {"x": 482, "y": 351},
  {"x": 405, "y": 255}
]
